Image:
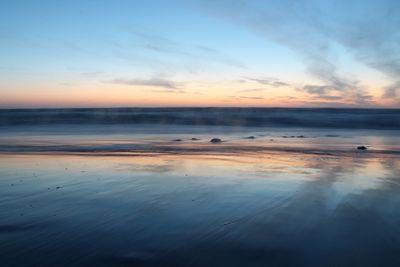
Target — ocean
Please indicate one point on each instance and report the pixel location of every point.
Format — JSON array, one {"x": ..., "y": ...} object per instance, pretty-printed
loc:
[
  {"x": 239, "y": 117},
  {"x": 166, "y": 129},
  {"x": 147, "y": 187}
]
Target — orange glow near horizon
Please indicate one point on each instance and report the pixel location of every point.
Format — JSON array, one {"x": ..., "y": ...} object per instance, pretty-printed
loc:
[{"x": 110, "y": 95}]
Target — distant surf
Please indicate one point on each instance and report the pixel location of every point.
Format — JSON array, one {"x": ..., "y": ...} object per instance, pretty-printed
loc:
[{"x": 245, "y": 117}]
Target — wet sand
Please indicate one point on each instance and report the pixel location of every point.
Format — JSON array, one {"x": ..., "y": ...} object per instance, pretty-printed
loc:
[{"x": 263, "y": 208}]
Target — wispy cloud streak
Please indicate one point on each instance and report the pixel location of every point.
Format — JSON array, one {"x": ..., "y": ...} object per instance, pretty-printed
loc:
[
  {"x": 153, "y": 82},
  {"x": 314, "y": 29},
  {"x": 268, "y": 81}
]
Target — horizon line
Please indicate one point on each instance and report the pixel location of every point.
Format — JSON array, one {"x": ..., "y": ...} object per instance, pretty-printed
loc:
[{"x": 196, "y": 107}]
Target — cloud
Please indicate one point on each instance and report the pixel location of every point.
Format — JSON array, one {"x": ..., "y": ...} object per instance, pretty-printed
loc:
[
  {"x": 314, "y": 29},
  {"x": 91, "y": 74},
  {"x": 161, "y": 44},
  {"x": 335, "y": 86},
  {"x": 372, "y": 35},
  {"x": 391, "y": 91},
  {"x": 251, "y": 90},
  {"x": 318, "y": 89},
  {"x": 208, "y": 49},
  {"x": 346, "y": 93},
  {"x": 158, "y": 43},
  {"x": 326, "y": 104},
  {"x": 247, "y": 97},
  {"x": 173, "y": 91},
  {"x": 153, "y": 82},
  {"x": 268, "y": 81}
]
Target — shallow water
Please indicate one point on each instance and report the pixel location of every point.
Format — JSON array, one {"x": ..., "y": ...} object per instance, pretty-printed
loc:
[
  {"x": 115, "y": 187},
  {"x": 208, "y": 209}
]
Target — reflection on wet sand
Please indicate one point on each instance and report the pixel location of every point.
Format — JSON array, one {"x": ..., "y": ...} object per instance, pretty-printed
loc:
[{"x": 252, "y": 209}]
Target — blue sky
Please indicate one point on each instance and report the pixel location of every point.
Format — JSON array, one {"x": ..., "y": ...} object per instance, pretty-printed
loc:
[{"x": 200, "y": 53}]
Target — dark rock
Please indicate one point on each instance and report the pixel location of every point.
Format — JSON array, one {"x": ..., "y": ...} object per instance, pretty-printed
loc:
[
  {"x": 332, "y": 135},
  {"x": 195, "y": 139},
  {"x": 301, "y": 136},
  {"x": 250, "y": 137},
  {"x": 177, "y": 140},
  {"x": 215, "y": 140},
  {"x": 362, "y": 148}
]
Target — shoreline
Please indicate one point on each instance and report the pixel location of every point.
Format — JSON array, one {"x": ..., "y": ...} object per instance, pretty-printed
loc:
[{"x": 219, "y": 149}]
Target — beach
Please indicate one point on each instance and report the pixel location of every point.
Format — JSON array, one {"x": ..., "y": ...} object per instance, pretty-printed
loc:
[
  {"x": 151, "y": 195},
  {"x": 200, "y": 133}
]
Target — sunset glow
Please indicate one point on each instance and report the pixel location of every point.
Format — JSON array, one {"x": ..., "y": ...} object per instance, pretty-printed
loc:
[{"x": 199, "y": 53}]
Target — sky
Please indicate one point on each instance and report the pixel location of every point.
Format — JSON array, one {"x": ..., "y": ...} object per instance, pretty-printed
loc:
[{"x": 138, "y": 53}]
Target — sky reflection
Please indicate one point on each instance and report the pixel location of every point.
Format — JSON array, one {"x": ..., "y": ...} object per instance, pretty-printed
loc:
[{"x": 280, "y": 208}]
